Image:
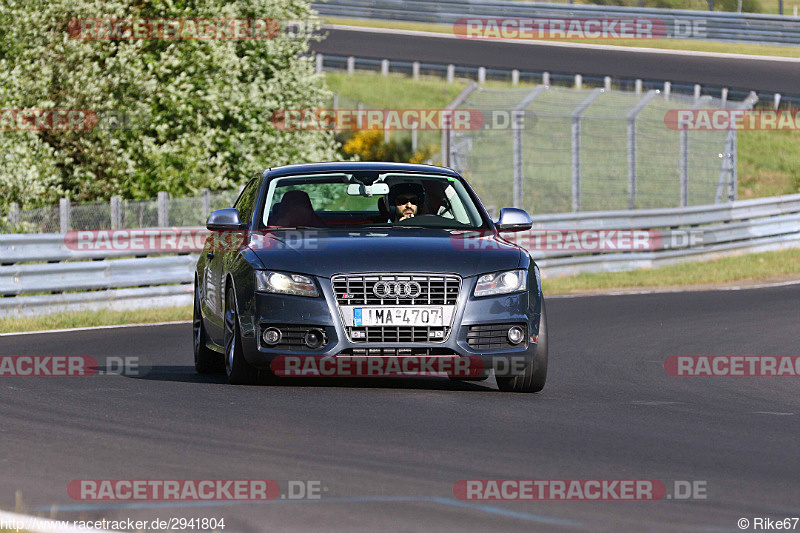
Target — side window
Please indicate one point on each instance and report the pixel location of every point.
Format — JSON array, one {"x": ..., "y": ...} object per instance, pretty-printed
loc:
[{"x": 247, "y": 200}]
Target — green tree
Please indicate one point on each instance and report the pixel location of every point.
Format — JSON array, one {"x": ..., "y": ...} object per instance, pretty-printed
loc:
[{"x": 197, "y": 111}]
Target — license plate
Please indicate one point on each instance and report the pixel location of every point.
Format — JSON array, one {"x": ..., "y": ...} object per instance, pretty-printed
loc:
[{"x": 398, "y": 316}]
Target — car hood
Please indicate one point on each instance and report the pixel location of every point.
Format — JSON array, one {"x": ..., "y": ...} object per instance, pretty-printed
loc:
[{"x": 327, "y": 252}]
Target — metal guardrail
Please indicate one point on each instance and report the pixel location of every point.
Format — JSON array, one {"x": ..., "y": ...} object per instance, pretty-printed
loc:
[
  {"x": 96, "y": 280},
  {"x": 738, "y": 27}
]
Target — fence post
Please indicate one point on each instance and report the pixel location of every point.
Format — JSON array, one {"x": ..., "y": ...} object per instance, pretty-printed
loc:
[
  {"x": 116, "y": 212},
  {"x": 384, "y": 67},
  {"x": 546, "y": 78},
  {"x": 351, "y": 65},
  {"x": 205, "y": 201},
  {"x": 13, "y": 215},
  {"x": 638, "y": 86},
  {"x": 163, "y": 209},
  {"x": 414, "y": 137},
  {"x": 515, "y": 77},
  {"x": 335, "y": 101},
  {"x": 607, "y": 83},
  {"x": 697, "y": 90},
  {"x": 667, "y": 89},
  {"x": 632, "y": 168},
  {"x": 451, "y": 73},
  {"x": 578, "y": 81},
  {"x": 320, "y": 63},
  {"x": 481, "y": 74},
  {"x": 777, "y": 100},
  {"x": 724, "y": 97},
  {"x": 360, "y": 115},
  {"x": 684, "y": 156},
  {"x": 415, "y": 70},
  {"x": 64, "y": 215},
  {"x": 446, "y": 143},
  {"x": 517, "y": 128},
  {"x": 576, "y": 146}
]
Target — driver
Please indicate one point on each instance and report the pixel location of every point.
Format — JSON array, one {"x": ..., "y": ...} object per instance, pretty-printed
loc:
[{"x": 405, "y": 200}]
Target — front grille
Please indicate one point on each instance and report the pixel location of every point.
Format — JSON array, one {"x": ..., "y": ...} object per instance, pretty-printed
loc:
[
  {"x": 493, "y": 336},
  {"x": 356, "y": 352},
  {"x": 398, "y": 334},
  {"x": 358, "y": 289}
]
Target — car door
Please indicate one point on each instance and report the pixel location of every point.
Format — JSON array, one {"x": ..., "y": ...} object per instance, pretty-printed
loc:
[{"x": 219, "y": 255}]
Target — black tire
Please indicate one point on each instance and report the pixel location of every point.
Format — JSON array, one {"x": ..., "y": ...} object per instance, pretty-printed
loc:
[
  {"x": 530, "y": 380},
  {"x": 239, "y": 371},
  {"x": 206, "y": 361}
]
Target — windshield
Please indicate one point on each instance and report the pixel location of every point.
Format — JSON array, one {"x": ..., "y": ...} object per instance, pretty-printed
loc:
[{"x": 391, "y": 199}]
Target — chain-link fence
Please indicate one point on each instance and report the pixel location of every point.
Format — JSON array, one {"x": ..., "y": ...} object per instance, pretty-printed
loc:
[
  {"x": 117, "y": 213},
  {"x": 555, "y": 149}
]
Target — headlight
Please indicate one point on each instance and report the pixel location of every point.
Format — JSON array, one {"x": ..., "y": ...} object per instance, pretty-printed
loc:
[
  {"x": 285, "y": 283},
  {"x": 502, "y": 283}
]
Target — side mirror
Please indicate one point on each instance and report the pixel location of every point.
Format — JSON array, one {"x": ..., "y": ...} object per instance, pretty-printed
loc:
[
  {"x": 513, "y": 219},
  {"x": 225, "y": 219}
]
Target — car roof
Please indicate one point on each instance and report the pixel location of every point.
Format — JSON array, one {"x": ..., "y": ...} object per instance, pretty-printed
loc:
[{"x": 358, "y": 166}]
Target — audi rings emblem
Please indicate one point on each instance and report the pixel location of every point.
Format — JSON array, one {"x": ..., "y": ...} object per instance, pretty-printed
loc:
[{"x": 397, "y": 289}]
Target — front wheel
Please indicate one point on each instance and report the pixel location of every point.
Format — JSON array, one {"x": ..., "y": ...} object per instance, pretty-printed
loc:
[
  {"x": 239, "y": 371},
  {"x": 206, "y": 361},
  {"x": 530, "y": 380}
]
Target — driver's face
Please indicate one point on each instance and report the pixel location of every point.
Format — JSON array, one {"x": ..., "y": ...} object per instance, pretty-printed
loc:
[{"x": 407, "y": 205}]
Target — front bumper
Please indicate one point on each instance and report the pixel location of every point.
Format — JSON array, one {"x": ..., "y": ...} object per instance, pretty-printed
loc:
[{"x": 266, "y": 310}]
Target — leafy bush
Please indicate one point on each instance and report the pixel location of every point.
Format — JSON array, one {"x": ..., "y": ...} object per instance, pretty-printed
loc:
[
  {"x": 369, "y": 145},
  {"x": 198, "y": 110}
]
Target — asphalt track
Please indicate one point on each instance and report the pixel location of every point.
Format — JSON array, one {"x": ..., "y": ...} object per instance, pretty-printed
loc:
[
  {"x": 388, "y": 452},
  {"x": 732, "y": 72}
]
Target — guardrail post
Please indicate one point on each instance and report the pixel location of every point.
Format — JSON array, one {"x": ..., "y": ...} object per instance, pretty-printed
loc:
[
  {"x": 517, "y": 129},
  {"x": 607, "y": 83},
  {"x": 546, "y": 78},
  {"x": 697, "y": 90},
  {"x": 415, "y": 70},
  {"x": 724, "y": 97},
  {"x": 163, "y": 209},
  {"x": 638, "y": 86},
  {"x": 451, "y": 73},
  {"x": 576, "y": 147},
  {"x": 481, "y": 75},
  {"x": 64, "y": 213},
  {"x": 320, "y": 63},
  {"x": 578, "y": 81},
  {"x": 205, "y": 201},
  {"x": 667, "y": 88},
  {"x": 384, "y": 67},
  {"x": 515, "y": 77},
  {"x": 632, "y": 166},
  {"x": 116, "y": 212},
  {"x": 13, "y": 215},
  {"x": 351, "y": 65},
  {"x": 777, "y": 100}
]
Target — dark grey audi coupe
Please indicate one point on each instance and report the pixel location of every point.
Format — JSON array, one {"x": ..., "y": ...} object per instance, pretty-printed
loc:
[{"x": 370, "y": 260}]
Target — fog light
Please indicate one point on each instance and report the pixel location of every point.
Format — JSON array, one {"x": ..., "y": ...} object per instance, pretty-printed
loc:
[
  {"x": 515, "y": 335},
  {"x": 314, "y": 338},
  {"x": 271, "y": 336}
]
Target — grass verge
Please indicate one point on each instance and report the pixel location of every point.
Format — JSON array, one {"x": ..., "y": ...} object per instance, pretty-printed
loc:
[
  {"x": 86, "y": 319},
  {"x": 661, "y": 44},
  {"x": 749, "y": 268}
]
